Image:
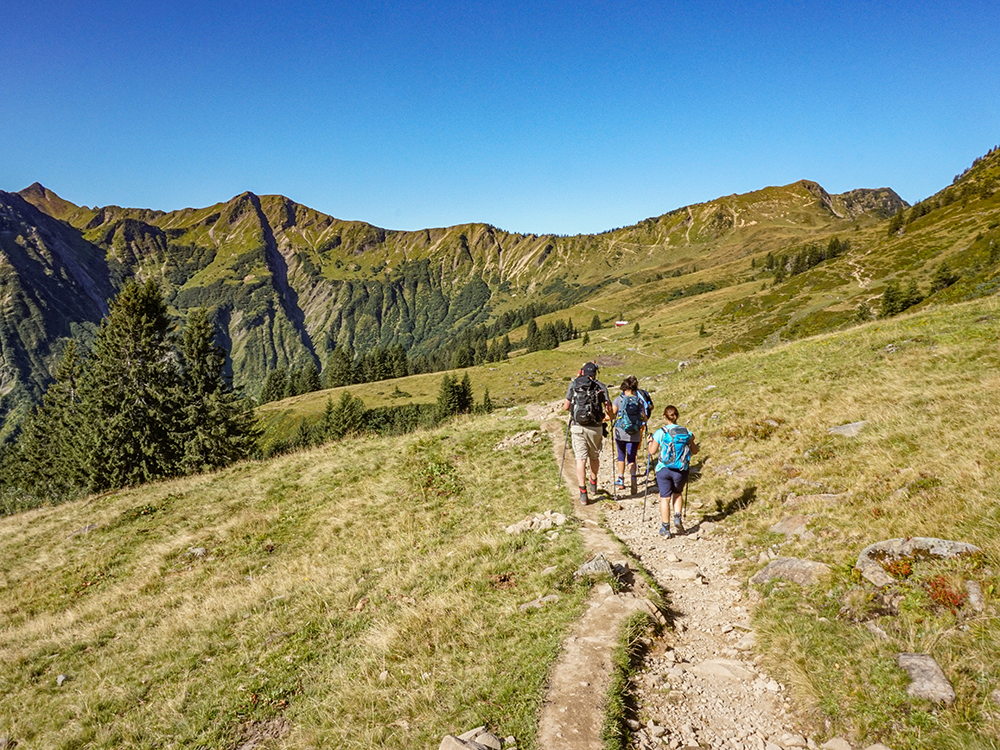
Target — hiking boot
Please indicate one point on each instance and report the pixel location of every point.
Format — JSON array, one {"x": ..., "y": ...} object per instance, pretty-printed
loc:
[
  {"x": 665, "y": 530},
  {"x": 620, "y": 483},
  {"x": 583, "y": 497},
  {"x": 593, "y": 486},
  {"x": 678, "y": 523}
]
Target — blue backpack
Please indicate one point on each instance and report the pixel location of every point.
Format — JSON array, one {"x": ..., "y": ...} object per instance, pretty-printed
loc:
[
  {"x": 631, "y": 416},
  {"x": 675, "y": 447}
]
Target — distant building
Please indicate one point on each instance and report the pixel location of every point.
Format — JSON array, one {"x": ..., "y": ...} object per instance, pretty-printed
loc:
[{"x": 620, "y": 323}]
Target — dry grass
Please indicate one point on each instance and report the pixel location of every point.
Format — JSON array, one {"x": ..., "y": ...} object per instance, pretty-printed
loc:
[
  {"x": 924, "y": 465},
  {"x": 330, "y": 598}
]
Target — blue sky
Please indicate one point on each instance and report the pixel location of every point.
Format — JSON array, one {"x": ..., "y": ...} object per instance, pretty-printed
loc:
[{"x": 565, "y": 117}]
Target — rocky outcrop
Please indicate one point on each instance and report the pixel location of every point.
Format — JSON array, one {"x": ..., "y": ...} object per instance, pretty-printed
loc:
[{"x": 869, "y": 563}]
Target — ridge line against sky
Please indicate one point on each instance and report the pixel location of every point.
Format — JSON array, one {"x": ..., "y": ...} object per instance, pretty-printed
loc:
[{"x": 544, "y": 117}]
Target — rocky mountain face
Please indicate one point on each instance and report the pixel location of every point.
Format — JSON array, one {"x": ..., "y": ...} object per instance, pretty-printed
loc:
[{"x": 286, "y": 283}]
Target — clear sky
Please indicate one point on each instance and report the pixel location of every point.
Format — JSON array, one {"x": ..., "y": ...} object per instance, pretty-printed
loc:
[{"x": 535, "y": 116}]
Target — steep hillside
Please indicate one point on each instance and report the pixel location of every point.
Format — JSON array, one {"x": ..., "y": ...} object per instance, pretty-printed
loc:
[
  {"x": 54, "y": 285},
  {"x": 286, "y": 284}
]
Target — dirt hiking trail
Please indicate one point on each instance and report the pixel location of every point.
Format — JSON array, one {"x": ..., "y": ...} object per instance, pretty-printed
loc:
[{"x": 699, "y": 685}]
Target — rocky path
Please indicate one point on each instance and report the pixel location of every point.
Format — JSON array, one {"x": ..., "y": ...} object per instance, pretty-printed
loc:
[{"x": 699, "y": 685}]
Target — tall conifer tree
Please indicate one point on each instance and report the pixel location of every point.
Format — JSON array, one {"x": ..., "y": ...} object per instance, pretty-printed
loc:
[
  {"x": 129, "y": 394},
  {"x": 217, "y": 426}
]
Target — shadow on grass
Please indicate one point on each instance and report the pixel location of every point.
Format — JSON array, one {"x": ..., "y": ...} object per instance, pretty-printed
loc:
[{"x": 724, "y": 510}]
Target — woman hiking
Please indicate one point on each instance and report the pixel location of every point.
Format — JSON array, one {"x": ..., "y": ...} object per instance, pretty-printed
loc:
[
  {"x": 629, "y": 418},
  {"x": 673, "y": 446}
]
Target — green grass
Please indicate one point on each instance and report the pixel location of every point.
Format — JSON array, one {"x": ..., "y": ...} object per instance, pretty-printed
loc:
[
  {"x": 925, "y": 465},
  {"x": 344, "y": 596}
]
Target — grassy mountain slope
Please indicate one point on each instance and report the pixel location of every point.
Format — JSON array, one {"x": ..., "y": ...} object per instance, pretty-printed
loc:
[
  {"x": 359, "y": 595},
  {"x": 287, "y": 283},
  {"x": 924, "y": 465},
  {"x": 139, "y": 612}
]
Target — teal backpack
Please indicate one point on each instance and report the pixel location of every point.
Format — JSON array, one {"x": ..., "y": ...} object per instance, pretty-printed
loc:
[
  {"x": 630, "y": 416},
  {"x": 675, "y": 447}
]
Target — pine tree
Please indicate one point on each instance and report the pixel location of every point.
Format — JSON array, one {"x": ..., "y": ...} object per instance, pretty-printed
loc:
[
  {"x": 943, "y": 278},
  {"x": 635, "y": 329},
  {"x": 595, "y": 322},
  {"x": 531, "y": 336},
  {"x": 347, "y": 417},
  {"x": 892, "y": 300},
  {"x": 911, "y": 296},
  {"x": 45, "y": 462},
  {"x": 292, "y": 384},
  {"x": 309, "y": 379},
  {"x": 129, "y": 394},
  {"x": 218, "y": 427},
  {"x": 340, "y": 368},
  {"x": 274, "y": 386},
  {"x": 448, "y": 398},
  {"x": 466, "y": 400},
  {"x": 487, "y": 405}
]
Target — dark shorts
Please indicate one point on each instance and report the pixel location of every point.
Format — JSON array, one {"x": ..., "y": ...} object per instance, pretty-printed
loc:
[
  {"x": 626, "y": 450},
  {"x": 671, "y": 481}
]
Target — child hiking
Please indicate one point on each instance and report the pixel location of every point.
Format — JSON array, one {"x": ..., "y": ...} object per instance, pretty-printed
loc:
[
  {"x": 673, "y": 446},
  {"x": 630, "y": 415},
  {"x": 588, "y": 403}
]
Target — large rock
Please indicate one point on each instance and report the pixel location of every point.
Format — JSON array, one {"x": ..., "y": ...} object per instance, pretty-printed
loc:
[
  {"x": 869, "y": 562},
  {"x": 797, "y": 570},
  {"x": 795, "y": 525},
  {"x": 926, "y": 678}
]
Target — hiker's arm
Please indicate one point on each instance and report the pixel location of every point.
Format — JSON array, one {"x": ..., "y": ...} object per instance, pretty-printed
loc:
[
  {"x": 649, "y": 446},
  {"x": 694, "y": 448},
  {"x": 566, "y": 404}
]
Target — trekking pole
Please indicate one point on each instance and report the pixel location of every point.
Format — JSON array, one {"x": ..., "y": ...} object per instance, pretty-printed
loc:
[
  {"x": 562, "y": 464},
  {"x": 645, "y": 485},
  {"x": 685, "y": 502}
]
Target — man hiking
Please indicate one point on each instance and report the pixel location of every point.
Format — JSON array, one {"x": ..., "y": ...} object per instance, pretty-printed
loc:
[
  {"x": 673, "y": 446},
  {"x": 630, "y": 417},
  {"x": 588, "y": 403}
]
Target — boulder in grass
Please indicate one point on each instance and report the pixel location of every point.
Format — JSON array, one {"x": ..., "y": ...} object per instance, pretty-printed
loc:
[
  {"x": 794, "y": 569},
  {"x": 869, "y": 562},
  {"x": 927, "y": 680}
]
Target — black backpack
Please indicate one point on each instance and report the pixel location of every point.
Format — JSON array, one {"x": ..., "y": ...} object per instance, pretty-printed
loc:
[{"x": 585, "y": 402}]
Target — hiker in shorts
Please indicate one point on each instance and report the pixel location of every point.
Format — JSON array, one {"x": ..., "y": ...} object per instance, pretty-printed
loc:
[
  {"x": 673, "y": 447},
  {"x": 630, "y": 417},
  {"x": 588, "y": 403}
]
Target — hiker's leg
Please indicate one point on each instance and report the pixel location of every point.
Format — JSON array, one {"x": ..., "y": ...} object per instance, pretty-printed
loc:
[
  {"x": 595, "y": 465},
  {"x": 631, "y": 449},
  {"x": 665, "y": 486},
  {"x": 621, "y": 445},
  {"x": 581, "y": 451},
  {"x": 680, "y": 479}
]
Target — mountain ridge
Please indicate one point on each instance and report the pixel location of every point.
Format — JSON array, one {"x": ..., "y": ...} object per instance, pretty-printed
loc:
[{"x": 286, "y": 283}]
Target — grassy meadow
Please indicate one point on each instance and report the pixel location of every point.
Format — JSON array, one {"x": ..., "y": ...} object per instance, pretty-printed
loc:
[
  {"x": 926, "y": 384},
  {"x": 361, "y": 594},
  {"x": 925, "y": 464}
]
